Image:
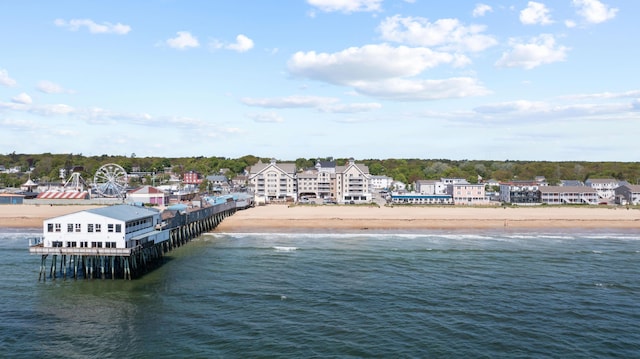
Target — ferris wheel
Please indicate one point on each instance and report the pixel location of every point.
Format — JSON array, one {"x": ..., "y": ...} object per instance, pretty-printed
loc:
[{"x": 111, "y": 180}]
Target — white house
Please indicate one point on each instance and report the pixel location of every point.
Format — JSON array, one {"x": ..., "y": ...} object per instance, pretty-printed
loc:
[
  {"x": 568, "y": 195},
  {"x": 606, "y": 187},
  {"x": 380, "y": 182},
  {"x": 119, "y": 226},
  {"x": 149, "y": 194}
]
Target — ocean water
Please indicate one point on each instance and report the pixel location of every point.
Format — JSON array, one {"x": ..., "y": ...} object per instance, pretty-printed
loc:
[{"x": 432, "y": 294}]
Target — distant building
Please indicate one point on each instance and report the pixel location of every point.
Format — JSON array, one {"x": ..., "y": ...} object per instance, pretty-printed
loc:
[
  {"x": 628, "y": 194},
  {"x": 11, "y": 198},
  {"x": 352, "y": 183},
  {"x": 380, "y": 182},
  {"x": 568, "y": 195},
  {"x": 272, "y": 181},
  {"x": 467, "y": 193},
  {"x": 571, "y": 183},
  {"x": 426, "y": 187},
  {"x": 520, "y": 192},
  {"x": 420, "y": 199},
  {"x": 191, "y": 178},
  {"x": 604, "y": 186},
  {"x": 149, "y": 194}
]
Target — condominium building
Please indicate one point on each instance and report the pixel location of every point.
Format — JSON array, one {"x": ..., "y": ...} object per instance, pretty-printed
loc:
[
  {"x": 568, "y": 195},
  {"x": 274, "y": 181},
  {"x": 352, "y": 183},
  {"x": 604, "y": 186}
]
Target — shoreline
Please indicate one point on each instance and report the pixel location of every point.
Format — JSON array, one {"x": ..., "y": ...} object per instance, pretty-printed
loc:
[
  {"x": 361, "y": 218},
  {"x": 282, "y": 218}
]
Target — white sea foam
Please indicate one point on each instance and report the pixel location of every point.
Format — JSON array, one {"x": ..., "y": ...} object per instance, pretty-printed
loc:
[{"x": 285, "y": 249}]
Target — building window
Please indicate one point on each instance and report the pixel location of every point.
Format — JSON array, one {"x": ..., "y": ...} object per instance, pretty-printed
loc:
[
  {"x": 98, "y": 228},
  {"x": 90, "y": 227},
  {"x": 118, "y": 228},
  {"x": 110, "y": 228},
  {"x": 58, "y": 227},
  {"x": 49, "y": 227},
  {"x": 69, "y": 227},
  {"x": 78, "y": 227}
]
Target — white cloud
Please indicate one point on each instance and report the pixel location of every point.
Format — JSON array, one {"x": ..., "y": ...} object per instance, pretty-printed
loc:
[
  {"x": 14, "y": 106},
  {"x": 266, "y": 117},
  {"x": 535, "y": 13},
  {"x": 290, "y": 101},
  {"x": 17, "y": 125},
  {"x": 94, "y": 28},
  {"x": 242, "y": 44},
  {"x": 183, "y": 40},
  {"x": 50, "y": 87},
  {"x": 323, "y": 104},
  {"x": 367, "y": 63},
  {"x": 52, "y": 110},
  {"x": 346, "y": 6},
  {"x": 385, "y": 71},
  {"x": 605, "y": 95},
  {"x": 351, "y": 108},
  {"x": 5, "y": 79},
  {"x": 539, "y": 51},
  {"x": 481, "y": 10},
  {"x": 594, "y": 11},
  {"x": 420, "y": 90},
  {"x": 22, "y": 98},
  {"x": 443, "y": 33},
  {"x": 570, "y": 23}
]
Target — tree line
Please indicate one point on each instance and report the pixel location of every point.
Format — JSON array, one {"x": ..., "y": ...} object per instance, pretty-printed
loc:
[{"x": 46, "y": 167}]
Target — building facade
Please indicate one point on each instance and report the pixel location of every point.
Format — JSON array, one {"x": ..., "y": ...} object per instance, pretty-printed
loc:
[
  {"x": 568, "y": 195},
  {"x": 628, "y": 194},
  {"x": 467, "y": 193},
  {"x": 520, "y": 192},
  {"x": 273, "y": 182},
  {"x": 119, "y": 226},
  {"x": 352, "y": 183},
  {"x": 606, "y": 187}
]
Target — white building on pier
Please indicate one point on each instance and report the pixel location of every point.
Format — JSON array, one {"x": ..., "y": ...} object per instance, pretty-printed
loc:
[{"x": 119, "y": 226}]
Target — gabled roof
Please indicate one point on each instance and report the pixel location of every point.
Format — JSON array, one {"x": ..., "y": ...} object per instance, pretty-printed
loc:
[
  {"x": 571, "y": 183},
  {"x": 217, "y": 178},
  {"x": 361, "y": 167},
  {"x": 288, "y": 168},
  {"x": 602, "y": 180},
  {"x": 147, "y": 190},
  {"x": 633, "y": 187},
  {"x": 567, "y": 189},
  {"x": 327, "y": 164}
]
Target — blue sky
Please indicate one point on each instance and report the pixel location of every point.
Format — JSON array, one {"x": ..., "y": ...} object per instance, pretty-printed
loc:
[{"x": 496, "y": 80}]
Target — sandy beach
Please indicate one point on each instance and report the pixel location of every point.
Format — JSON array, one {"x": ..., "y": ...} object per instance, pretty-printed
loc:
[
  {"x": 282, "y": 217},
  {"x": 31, "y": 216}
]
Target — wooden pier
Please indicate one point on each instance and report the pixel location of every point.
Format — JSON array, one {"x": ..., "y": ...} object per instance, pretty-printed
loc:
[{"x": 177, "y": 229}]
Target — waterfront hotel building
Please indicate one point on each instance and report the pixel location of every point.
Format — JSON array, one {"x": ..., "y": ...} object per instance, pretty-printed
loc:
[{"x": 281, "y": 182}]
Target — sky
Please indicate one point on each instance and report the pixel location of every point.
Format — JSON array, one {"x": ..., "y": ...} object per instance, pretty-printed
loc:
[{"x": 369, "y": 79}]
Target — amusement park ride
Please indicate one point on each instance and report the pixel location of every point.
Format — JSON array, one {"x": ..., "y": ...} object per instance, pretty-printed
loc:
[{"x": 109, "y": 181}]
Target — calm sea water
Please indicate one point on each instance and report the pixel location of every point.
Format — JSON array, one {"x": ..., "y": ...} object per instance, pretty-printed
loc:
[{"x": 434, "y": 294}]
